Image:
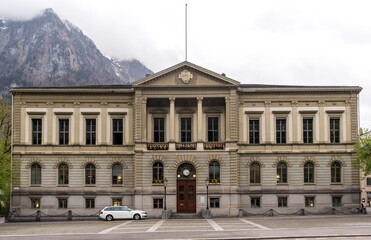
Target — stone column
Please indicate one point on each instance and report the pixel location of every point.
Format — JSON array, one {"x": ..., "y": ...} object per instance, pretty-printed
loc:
[
  {"x": 76, "y": 116},
  {"x": 322, "y": 120},
  {"x": 199, "y": 119},
  {"x": 172, "y": 119},
  {"x": 268, "y": 120},
  {"x": 104, "y": 123},
  {"x": 49, "y": 120},
  {"x": 294, "y": 123},
  {"x": 227, "y": 120},
  {"x": 144, "y": 119},
  {"x": 348, "y": 121}
]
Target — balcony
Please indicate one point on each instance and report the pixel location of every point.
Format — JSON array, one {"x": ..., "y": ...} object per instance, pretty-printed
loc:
[
  {"x": 186, "y": 146},
  {"x": 157, "y": 146},
  {"x": 214, "y": 146}
]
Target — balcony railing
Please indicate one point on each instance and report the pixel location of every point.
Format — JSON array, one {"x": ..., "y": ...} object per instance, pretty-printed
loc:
[
  {"x": 214, "y": 146},
  {"x": 186, "y": 146},
  {"x": 157, "y": 146}
]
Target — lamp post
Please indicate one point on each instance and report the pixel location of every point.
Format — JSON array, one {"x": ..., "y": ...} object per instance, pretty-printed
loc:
[
  {"x": 207, "y": 193},
  {"x": 165, "y": 184}
]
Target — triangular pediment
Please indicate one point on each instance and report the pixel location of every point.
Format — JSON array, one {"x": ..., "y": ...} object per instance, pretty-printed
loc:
[{"x": 186, "y": 74}]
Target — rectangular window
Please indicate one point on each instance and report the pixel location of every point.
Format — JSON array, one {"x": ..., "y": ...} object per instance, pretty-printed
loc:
[
  {"x": 63, "y": 131},
  {"x": 89, "y": 203},
  {"x": 62, "y": 203},
  {"x": 158, "y": 203},
  {"x": 186, "y": 129},
  {"x": 35, "y": 202},
  {"x": 116, "y": 201},
  {"x": 159, "y": 130},
  {"x": 309, "y": 201},
  {"x": 214, "y": 202},
  {"x": 282, "y": 202},
  {"x": 90, "y": 131},
  {"x": 213, "y": 129},
  {"x": 254, "y": 131},
  {"x": 117, "y": 131},
  {"x": 281, "y": 130},
  {"x": 335, "y": 130},
  {"x": 368, "y": 181},
  {"x": 255, "y": 202},
  {"x": 336, "y": 201},
  {"x": 36, "y": 131},
  {"x": 308, "y": 130}
]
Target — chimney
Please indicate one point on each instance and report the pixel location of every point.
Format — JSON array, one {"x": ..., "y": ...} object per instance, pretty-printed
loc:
[{"x": 223, "y": 74}]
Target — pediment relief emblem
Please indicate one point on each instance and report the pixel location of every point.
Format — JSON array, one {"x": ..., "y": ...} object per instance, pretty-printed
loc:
[
  {"x": 185, "y": 77},
  {"x": 213, "y": 110},
  {"x": 186, "y": 111},
  {"x": 158, "y": 111}
]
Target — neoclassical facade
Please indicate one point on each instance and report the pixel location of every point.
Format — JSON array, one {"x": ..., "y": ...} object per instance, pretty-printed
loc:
[{"x": 258, "y": 147}]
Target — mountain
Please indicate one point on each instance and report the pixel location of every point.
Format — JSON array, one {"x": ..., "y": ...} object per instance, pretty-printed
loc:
[{"x": 46, "y": 51}]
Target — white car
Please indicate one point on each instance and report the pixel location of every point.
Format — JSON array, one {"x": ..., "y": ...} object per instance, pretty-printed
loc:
[{"x": 121, "y": 212}]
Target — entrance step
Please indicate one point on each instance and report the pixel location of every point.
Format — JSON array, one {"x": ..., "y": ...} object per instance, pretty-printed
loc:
[{"x": 186, "y": 216}]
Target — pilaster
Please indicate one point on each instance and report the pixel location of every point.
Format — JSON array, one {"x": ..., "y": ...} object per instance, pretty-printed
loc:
[
  {"x": 268, "y": 120},
  {"x": 199, "y": 119},
  {"x": 76, "y": 116},
  {"x": 172, "y": 119},
  {"x": 294, "y": 124},
  {"x": 322, "y": 120}
]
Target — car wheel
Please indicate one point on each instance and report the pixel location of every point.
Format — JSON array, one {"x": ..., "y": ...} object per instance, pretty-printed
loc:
[
  {"x": 137, "y": 217},
  {"x": 109, "y": 218}
]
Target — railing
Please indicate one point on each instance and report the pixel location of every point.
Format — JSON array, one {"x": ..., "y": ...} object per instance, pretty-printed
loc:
[
  {"x": 186, "y": 146},
  {"x": 214, "y": 146},
  {"x": 157, "y": 146}
]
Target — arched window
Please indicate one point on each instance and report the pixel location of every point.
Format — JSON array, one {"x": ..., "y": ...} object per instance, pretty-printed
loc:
[
  {"x": 35, "y": 173},
  {"x": 62, "y": 173},
  {"x": 214, "y": 172},
  {"x": 281, "y": 172},
  {"x": 117, "y": 174},
  {"x": 308, "y": 172},
  {"x": 255, "y": 173},
  {"x": 157, "y": 172},
  {"x": 90, "y": 174},
  {"x": 336, "y": 172}
]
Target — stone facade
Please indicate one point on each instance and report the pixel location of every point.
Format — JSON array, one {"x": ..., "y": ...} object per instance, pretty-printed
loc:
[{"x": 185, "y": 117}]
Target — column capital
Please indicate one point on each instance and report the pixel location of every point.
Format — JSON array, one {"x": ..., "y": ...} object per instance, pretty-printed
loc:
[
  {"x": 294, "y": 103},
  {"x": 348, "y": 103},
  {"x": 227, "y": 99},
  {"x": 172, "y": 99},
  {"x": 144, "y": 100},
  {"x": 321, "y": 103},
  {"x": 199, "y": 99},
  {"x": 267, "y": 103}
]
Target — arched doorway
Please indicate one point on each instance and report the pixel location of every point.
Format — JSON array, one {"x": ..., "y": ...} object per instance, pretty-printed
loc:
[{"x": 186, "y": 188}]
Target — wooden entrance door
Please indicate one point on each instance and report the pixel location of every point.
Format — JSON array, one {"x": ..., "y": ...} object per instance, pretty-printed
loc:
[{"x": 186, "y": 196}]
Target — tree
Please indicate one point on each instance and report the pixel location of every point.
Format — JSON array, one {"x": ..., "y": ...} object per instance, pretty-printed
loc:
[
  {"x": 363, "y": 150},
  {"x": 5, "y": 154}
]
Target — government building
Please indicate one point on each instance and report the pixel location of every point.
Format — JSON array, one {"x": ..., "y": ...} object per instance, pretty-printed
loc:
[{"x": 254, "y": 147}]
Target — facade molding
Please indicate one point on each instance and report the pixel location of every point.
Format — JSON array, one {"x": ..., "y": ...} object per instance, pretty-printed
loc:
[
  {"x": 35, "y": 160},
  {"x": 90, "y": 160}
]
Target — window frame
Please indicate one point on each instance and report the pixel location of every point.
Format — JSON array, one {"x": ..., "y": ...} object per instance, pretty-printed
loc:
[
  {"x": 158, "y": 203},
  {"x": 117, "y": 132},
  {"x": 64, "y": 132},
  {"x": 307, "y": 131},
  {"x": 367, "y": 181},
  {"x": 158, "y": 171},
  {"x": 334, "y": 131},
  {"x": 39, "y": 132},
  {"x": 214, "y": 202},
  {"x": 89, "y": 203},
  {"x": 282, "y": 201},
  {"x": 252, "y": 132},
  {"x": 334, "y": 203},
  {"x": 218, "y": 133},
  {"x": 283, "y": 140},
  {"x": 38, "y": 178},
  {"x": 35, "y": 202},
  {"x": 64, "y": 202},
  {"x": 89, "y": 183},
  {"x": 65, "y": 178},
  {"x": 214, "y": 171},
  {"x": 117, "y": 181},
  {"x": 253, "y": 176},
  {"x": 279, "y": 179},
  {"x": 91, "y": 132},
  {"x": 307, "y": 201},
  {"x": 159, "y": 131},
  {"x": 255, "y": 200},
  {"x": 117, "y": 201},
  {"x": 305, "y": 169},
  {"x": 333, "y": 170},
  {"x": 186, "y": 131}
]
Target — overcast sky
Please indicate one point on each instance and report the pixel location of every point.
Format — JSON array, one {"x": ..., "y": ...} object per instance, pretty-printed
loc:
[{"x": 267, "y": 42}]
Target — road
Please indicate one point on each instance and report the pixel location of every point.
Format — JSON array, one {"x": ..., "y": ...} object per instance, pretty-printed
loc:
[{"x": 299, "y": 227}]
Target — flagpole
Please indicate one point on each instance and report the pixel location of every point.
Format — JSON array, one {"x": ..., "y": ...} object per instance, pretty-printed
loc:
[{"x": 186, "y": 32}]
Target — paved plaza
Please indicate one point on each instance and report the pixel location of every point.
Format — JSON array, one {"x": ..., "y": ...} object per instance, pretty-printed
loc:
[{"x": 325, "y": 227}]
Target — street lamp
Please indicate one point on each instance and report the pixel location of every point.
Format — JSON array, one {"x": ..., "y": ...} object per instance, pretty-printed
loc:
[
  {"x": 207, "y": 193},
  {"x": 165, "y": 184}
]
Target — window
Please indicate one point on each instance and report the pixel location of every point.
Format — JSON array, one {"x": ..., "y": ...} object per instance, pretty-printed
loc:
[
  {"x": 157, "y": 172},
  {"x": 308, "y": 172},
  {"x": 214, "y": 203},
  {"x": 255, "y": 173},
  {"x": 35, "y": 174},
  {"x": 158, "y": 203},
  {"x": 213, "y": 129},
  {"x": 282, "y": 202},
  {"x": 89, "y": 174},
  {"x": 335, "y": 172},
  {"x": 214, "y": 172},
  {"x": 255, "y": 202},
  {"x": 117, "y": 174},
  {"x": 186, "y": 129},
  {"x": 36, "y": 131},
  {"x": 281, "y": 130},
  {"x": 281, "y": 172},
  {"x": 159, "y": 130},
  {"x": 62, "y": 174},
  {"x": 336, "y": 201},
  {"x": 308, "y": 130},
  {"x": 35, "y": 202},
  {"x": 89, "y": 203},
  {"x": 309, "y": 201},
  {"x": 254, "y": 131},
  {"x": 116, "y": 201},
  {"x": 368, "y": 181},
  {"x": 63, "y": 131},
  {"x": 117, "y": 132},
  {"x": 335, "y": 130},
  {"x": 90, "y": 131},
  {"x": 62, "y": 203}
]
